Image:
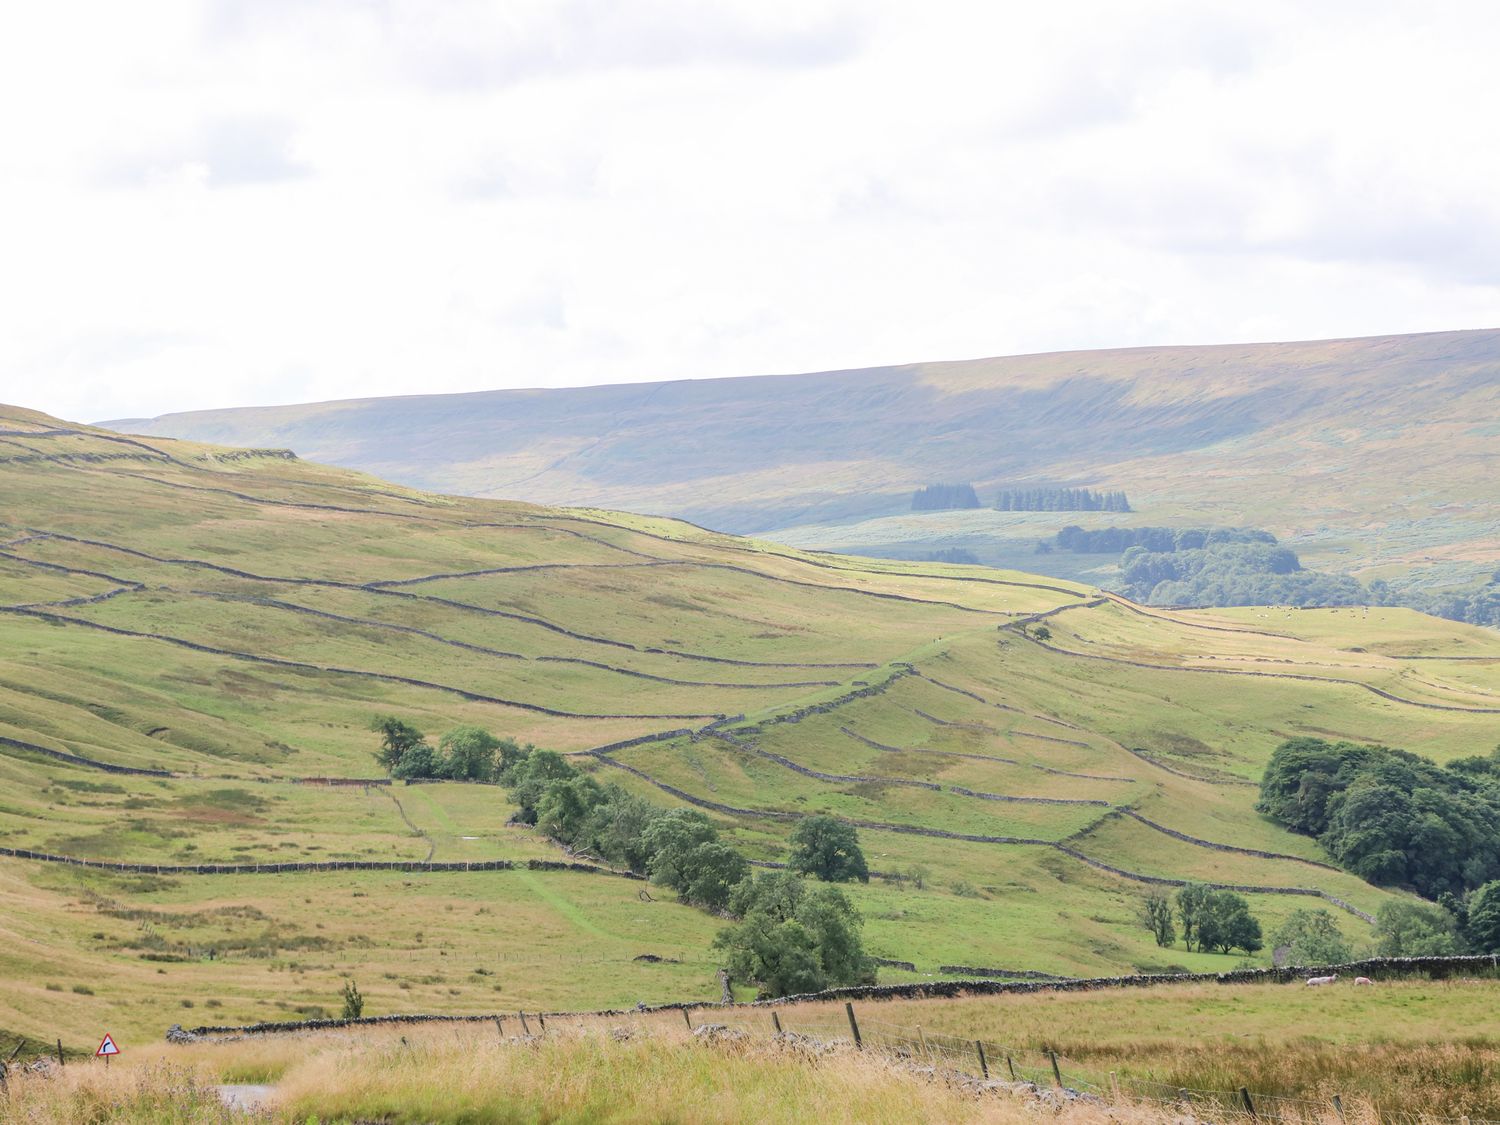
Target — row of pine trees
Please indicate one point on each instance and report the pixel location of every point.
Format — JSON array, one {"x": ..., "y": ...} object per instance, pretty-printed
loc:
[{"x": 946, "y": 497}]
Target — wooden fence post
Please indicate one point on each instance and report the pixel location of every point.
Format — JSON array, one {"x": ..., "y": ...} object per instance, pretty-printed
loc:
[
  {"x": 687, "y": 1019},
  {"x": 776, "y": 1022},
  {"x": 62, "y": 1062},
  {"x": 984, "y": 1067},
  {"x": 1056, "y": 1073},
  {"x": 542, "y": 1020},
  {"x": 859, "y": 1043},
  {"x": 499, "y": 1027},
  {"x": 1114, "y": 1085},
  {"x": 1249, "y": 1105},
  {"x": 525, "y": 1030},
  {"x": 1010, "y": 1066},
  {"x": 1338, "y": 1107}
]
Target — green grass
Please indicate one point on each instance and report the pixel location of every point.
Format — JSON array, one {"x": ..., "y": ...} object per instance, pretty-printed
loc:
[{"x": 545, "y": 656}]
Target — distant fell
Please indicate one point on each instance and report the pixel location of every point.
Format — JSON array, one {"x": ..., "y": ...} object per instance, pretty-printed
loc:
[{"x": 1393, "y": 432}]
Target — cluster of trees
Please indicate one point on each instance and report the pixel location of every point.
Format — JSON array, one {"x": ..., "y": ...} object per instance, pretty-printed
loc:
[
  {"x": 1109, "y": 540},
  {"x": 1232, "y": 574},
  {"x": 1456, "y": 924},
  {"x": 1477, "y": 607},
  {"x": 788, "y": 935},
  {"x": 953, "y": 555},
  {"x": 1210, "y": 919},
  {"x": 943, "y": 497},
  {"x": 792, "y": 936},
  {"x": 465, "y": 753},
  {"x": 1312, "y": 937},
  {"x": 1390, "y": 816},
  {"x": 1060, "y": 500}
]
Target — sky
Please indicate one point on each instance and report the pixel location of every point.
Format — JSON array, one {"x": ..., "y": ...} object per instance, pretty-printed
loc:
[{"x": 247, "y": 202}]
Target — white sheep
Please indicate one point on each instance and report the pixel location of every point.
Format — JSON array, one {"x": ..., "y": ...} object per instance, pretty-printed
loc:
[
  {"x": 1363, "y": 980},
  {"x": 1322, "y": 980}
]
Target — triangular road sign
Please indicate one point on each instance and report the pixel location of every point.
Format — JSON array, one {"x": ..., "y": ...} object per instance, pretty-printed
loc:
[{"x": 107, "y": 1048}]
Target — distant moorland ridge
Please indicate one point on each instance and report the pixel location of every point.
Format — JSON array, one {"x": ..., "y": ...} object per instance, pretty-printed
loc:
[{"x": 1391, "y": 440}]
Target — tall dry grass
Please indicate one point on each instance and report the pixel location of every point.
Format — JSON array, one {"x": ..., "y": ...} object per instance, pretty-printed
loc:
[
  {"x": 647, "y": 1070},
  {"x": 572, "y": 1075},
  {"x": 152, "y": 1093}
]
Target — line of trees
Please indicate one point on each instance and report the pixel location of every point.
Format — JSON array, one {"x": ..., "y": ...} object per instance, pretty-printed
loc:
[
  {"x": 790, "y": 933},
  {"x": 1060, "y": 500},
  {"x": 1394, "y": 818},
  {"x": 943, "y": 497}
]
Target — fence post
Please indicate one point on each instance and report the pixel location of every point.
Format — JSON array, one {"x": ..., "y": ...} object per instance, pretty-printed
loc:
[
  {"x": 541, "y": 1019},
  {"x": 1056, "y": 1073},
  {"x": 62, "y": 1062},
  {"x": 1249, "y": 1105},
  {"x": 1010, "y": 1066},
  {"x": 859, "y": 1043},
  {"x": 687, "y": 1019},
  {"x": 1338, "y": 1107},
  {"x": 1114, "y": 1085},
  {"x": 984, "y": 1067},
  {"x": 525, "y": 1030},
  {"x": 499, "y": 1027},
  {"x": 776, "y": 1022}
]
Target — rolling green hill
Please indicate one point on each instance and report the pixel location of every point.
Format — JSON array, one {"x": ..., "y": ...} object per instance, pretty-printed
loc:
[
  {"x": 1373, "y": 456},
  {"x": 192, "y": 633}
]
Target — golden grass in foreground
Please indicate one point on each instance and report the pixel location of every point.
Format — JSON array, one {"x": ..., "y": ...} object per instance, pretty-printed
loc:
[{"x": 574, "y": 1075}]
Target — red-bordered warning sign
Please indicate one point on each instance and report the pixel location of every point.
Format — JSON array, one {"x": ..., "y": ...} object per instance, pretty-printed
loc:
[{"x": 107, "y": 1048}]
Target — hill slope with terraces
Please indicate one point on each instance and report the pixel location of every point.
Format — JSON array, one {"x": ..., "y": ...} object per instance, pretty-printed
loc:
[
  {"x": 1373, "y": 456},
  {"x": 197, "y": 639}
]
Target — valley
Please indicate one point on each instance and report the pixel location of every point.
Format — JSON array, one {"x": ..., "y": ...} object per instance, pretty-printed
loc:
[{"x": 193, "y": 636}]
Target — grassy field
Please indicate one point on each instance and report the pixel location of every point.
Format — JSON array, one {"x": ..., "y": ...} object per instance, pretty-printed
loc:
[
  {"x": 234, "y": 621},
  {"x": 1405, "y": 1050}
]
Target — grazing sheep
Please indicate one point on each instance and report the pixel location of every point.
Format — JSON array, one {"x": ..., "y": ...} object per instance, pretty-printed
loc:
[
  {"x": 1363, "y": 980},
  {"x": 1322, "y": 980}
]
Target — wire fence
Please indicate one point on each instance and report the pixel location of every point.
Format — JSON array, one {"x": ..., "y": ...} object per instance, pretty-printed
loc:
[{"x": 987, "y": 1060}]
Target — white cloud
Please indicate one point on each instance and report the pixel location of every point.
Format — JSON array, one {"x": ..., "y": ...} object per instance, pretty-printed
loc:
[{"x": 255, "y": 201}]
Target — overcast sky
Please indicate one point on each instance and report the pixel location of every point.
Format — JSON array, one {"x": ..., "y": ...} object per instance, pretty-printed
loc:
[{"x": 260, "y": 201}]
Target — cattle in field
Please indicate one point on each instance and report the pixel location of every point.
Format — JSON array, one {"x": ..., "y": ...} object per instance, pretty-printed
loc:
[{"x": 1322, "y": 980}]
